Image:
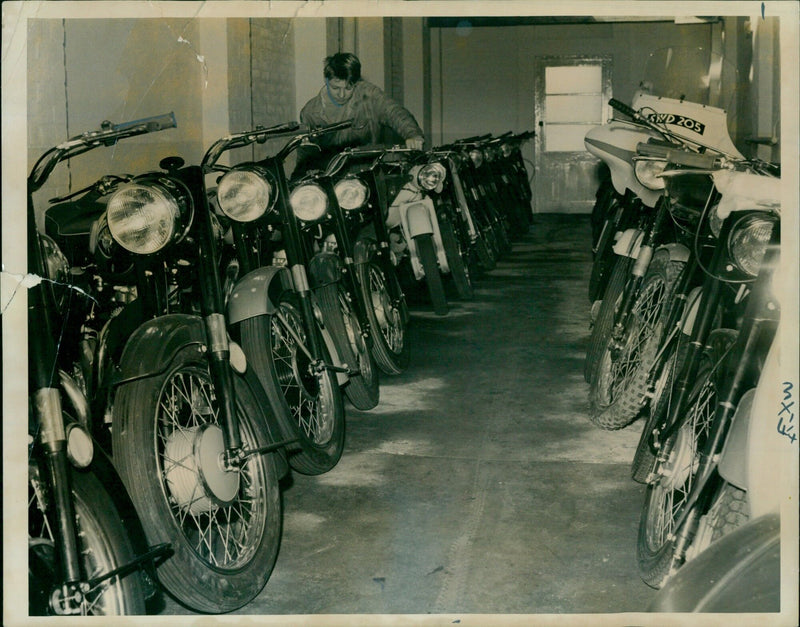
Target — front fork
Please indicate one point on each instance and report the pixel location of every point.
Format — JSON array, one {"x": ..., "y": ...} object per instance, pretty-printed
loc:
[{"x": 623, "y": 316}]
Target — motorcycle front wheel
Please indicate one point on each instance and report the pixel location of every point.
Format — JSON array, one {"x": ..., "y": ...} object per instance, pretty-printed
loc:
[
  {"x": 308, "y": 402},
  {"x": 363, "y": 388},
  {"x": 102, "y": 543},
  {"x": 455, "y": 258},
  {"x": 618, "y": 389},
  {"x": 675, "y": 472},
  {"x": 224, "y": 525},
  {"x": 387, "y": 319},
  {"x": 433, "y": 277}
]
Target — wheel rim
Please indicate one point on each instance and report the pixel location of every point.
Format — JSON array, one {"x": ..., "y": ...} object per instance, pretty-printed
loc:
[
  {"x": 96, "y": 556},
  {"x": 219, "y": 513},
  {"x": 389, "y": 317},
  {"x": 308, "y": 395},
  {"x": 676, "y": 481},
  {"x": 637, "y": 354}
]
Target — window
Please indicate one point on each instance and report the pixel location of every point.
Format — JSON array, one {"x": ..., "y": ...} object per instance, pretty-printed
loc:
[{"x": 573, "y": 104}]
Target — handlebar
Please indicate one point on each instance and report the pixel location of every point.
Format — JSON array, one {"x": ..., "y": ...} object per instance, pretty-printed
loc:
[
  {"x": 245, "y": 138},
  {"x": 108, "y": 135},
  {"x": 625, "y": 109},
  {"x": 317, "y": 132}
]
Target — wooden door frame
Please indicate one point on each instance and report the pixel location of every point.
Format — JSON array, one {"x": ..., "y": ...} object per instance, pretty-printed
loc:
[{"x": 544, "y": 61}]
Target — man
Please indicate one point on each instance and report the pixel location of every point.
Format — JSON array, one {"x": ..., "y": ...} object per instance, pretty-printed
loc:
[{"x": 346, "y": 96}]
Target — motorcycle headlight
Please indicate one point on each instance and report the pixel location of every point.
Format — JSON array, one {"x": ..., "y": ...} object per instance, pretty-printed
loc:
[
  {"x": 506, "y": 150},
  {"x": 647, "y": 172},
  {"x": 430, "y": 176},
  {"x": 57, "y": 263},
  {"x": 748, "y": 241},
  {"x": 476, "y": 156},
  {"x": 145, "y": 216},
  {"x": 245, "y": 195},
  {"x": 351, "y": 193},
  {"x": 309, "y": 202}
]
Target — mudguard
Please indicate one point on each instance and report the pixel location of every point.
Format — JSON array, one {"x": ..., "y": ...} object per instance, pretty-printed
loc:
[
  {"x": 365, "y": 250},
  {"x": 628, "y": 242},
  {"x": 677, "y": 252},
  {"x": 153, "y": 345},
  {"x": 419, "y": 217},
  {"x": 733, "y": 461},
  {"x": 324, "y": 269},
  {"x": 690, "y": 312},
  {"x": 256, "y": 293}
]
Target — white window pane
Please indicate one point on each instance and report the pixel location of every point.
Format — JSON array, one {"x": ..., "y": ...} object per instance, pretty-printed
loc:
[
  {"x": 574, "y": 109},
  {"x": 566, "y": 137},
  {"x": 573, "y": 79}
]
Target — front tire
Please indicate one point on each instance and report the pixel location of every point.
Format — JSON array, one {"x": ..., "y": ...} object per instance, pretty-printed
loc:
[
  {"x": 619, "y": 387},
  {"x": 387, "y": 319},
  {"x": 102, "y": 543},
  {"x": 309, "y": 405},
  {"x": 224, "y": 526},
  {"x": 433, "y": 277},
  {"x": 363, "y": 389},
  {"x": 675, "y": 472},
  {"x": 455, "y": 259}
]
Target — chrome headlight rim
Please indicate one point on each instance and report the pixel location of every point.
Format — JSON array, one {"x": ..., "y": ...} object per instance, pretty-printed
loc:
[
  {"x": 262, "y": 201},
  {"x": 748, "y": 239},
  {"x": 172, "y": 225},
  {"x": 431, "y": 175},
  {"x": 647, "y": 171},
  {"x": 299, "y": 202},
  {"x": 476, "y": 156},
  {"x": 351, "y": 192}
]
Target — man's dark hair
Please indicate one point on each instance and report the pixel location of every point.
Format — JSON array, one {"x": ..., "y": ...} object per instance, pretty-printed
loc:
[{"x": 344, "y": 66}]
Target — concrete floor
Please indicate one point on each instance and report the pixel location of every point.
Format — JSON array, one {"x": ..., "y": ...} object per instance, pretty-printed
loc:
[{"x": 478, "y": 485}]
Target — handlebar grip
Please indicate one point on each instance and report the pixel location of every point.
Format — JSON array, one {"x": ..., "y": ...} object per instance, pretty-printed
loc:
[
  {"x": 153, "y": 124},
  {"x": 623, "y": 108},
  {"x": 692, "y": 159}
]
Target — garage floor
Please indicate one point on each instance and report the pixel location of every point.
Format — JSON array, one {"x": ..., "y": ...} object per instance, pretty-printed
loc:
[{"x": 478, "y": 485}]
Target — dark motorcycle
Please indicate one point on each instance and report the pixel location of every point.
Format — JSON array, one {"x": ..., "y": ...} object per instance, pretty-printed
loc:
[
  {"x": 85, "y": 550},
  {"x": 362, "y": 241},
  {"x": 271, "y": 308},
  {"x": 191, "y": 430}
]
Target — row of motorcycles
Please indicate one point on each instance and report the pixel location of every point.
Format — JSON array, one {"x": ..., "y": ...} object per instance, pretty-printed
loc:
[
  {"x": 195, "y": 330},
  {"x": 686, "y": 300}
]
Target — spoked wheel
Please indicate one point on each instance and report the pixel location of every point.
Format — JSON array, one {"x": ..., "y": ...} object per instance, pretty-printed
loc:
[
  {"x": 387, "y": 319},
  {"x": 455, "y": 258},
  {"x": 487, "y": 251},
  {"x": 363, "y": 388},
  {"x": 223, "y": 524},
  {"x": 433, "y": 277},
  {"x": 675, "y": 473},
  {"x": 306, "y": 396},
  {"x": 729, "y": 510},
  {"x": 618, "y": 390},
  {"x": 673, "y": 359},
  {"x": 102, "y": 543}
]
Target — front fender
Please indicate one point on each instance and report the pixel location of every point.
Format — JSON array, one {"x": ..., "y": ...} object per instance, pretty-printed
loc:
[
  {"x": 154, "y": 344},
  {"x": 419, "y": 217},
  {"x": 257, "y": 292},
  {"x": 677, "y": 252},
  {"x": 628, "y": 242},
  {"x": 733, "y": 461},
  {"x": 324, "y": 269}
]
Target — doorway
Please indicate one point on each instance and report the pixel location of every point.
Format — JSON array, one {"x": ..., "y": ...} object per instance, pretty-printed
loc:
[{"x": 571, "y": 96}]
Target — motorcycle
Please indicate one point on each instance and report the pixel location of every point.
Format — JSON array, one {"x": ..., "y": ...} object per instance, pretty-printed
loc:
[
  {"x": 651, "y": 257},
  {"x": 412, "y": 221},
  {"x": 294, "y": 356},
  {"x": 86, "y": 554},
  {"x": 720, "y": 342},
  {"x": 190, "y": 428},
  {"x": 362, "y": 241}
]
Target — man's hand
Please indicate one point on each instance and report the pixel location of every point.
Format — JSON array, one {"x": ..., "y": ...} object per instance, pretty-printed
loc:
[{"x": 415, "y": 143}]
